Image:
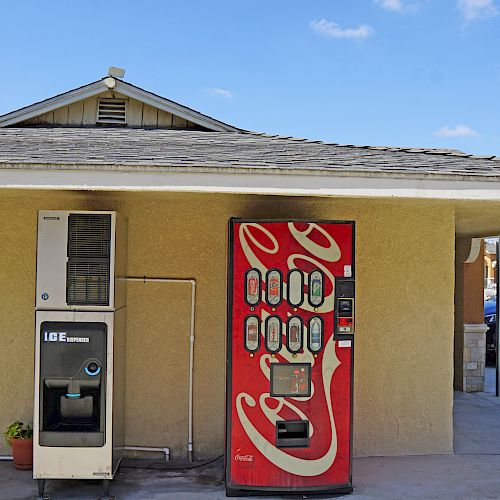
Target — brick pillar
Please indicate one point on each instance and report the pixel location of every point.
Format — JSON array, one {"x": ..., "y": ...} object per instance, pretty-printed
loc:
[{"x": 474, "y": 357}]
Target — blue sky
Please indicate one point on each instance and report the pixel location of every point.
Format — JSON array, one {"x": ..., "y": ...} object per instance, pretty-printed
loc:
[{"x": 422, "y": 73}]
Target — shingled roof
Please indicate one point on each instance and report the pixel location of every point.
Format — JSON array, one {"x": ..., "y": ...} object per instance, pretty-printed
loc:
[{"x": 144, "y": 149}]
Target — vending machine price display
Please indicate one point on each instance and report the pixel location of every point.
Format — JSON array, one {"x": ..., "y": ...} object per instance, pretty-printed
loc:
[{"x": 290, "y": 379}]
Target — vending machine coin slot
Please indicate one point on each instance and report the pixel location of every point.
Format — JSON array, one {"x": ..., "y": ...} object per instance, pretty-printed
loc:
[{"x": 292, "y": 434}]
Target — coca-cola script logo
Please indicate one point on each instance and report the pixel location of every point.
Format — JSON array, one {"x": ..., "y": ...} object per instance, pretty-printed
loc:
[{"x": 243, "y": 458}]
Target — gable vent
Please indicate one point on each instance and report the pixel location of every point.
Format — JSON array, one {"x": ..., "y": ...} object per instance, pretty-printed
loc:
[{"x": 113, "y": 111}]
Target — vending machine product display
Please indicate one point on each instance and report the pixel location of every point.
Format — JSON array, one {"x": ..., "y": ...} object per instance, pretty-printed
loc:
[{"x": 289, "y": 357}]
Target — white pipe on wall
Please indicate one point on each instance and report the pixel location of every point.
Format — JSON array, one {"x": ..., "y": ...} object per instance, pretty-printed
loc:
[
  {"x": 166, "y": 451},
  {"x": 192, "y": 282},
  {"x": 6, "y": 457},
  {"x": 191, "y": 366}
]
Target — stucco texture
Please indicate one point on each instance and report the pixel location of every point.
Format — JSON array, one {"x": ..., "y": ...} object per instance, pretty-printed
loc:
[{"x": 404, "y": 337}]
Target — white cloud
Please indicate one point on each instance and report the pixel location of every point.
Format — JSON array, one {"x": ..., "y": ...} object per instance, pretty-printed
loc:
[
  {"x": 457, "y": 131},
  {"x": 390, "y": 4},
  {"x": 400, "y": 6},
  {"x": 477, "y": 9},
  {"x": 327, "y": 28},
  {"x": 220, "y": 92}
]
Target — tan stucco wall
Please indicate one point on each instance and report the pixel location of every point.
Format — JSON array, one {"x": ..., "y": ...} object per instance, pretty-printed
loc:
[{"x": 404, "y": 344}]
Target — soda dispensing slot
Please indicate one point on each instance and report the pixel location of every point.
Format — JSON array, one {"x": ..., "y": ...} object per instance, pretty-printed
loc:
[
  {"x": 295, "y": 287},
  {"x": 253, "y": 286},
  {"x": 274, "y": 287},
  {"x": 316, "y": 288},
  {"x": 273, "y": 327},
  {"x": 294, "y": 334},
  {"x": 252, "y": 333},
  {"x": 292, "y": 434},
  {"x": 315, "y": 337}
]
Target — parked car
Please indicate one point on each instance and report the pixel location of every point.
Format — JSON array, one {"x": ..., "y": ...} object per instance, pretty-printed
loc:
[{"x": 490, "y": 319}]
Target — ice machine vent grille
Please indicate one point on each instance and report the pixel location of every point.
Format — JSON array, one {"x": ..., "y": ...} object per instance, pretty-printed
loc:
[
  {"x": 89, "y": 236},
  {"x": 112, "y": 111},
  {"x": 88, "y": 283},
  {"x": 88, "y": 270}
]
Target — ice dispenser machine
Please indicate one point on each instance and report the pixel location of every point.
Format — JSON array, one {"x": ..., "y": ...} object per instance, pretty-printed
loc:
[{"x": 78, "y": 422}]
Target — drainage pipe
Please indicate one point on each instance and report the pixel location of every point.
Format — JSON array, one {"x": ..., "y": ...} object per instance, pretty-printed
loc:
[
  {"x": 6, "y": 457},
  {"x": 166, "y": 451},
  {"x": 192, "y": 282}
]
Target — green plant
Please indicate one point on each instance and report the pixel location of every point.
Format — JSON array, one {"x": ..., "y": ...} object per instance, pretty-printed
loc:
[{"x": 18, "y": 430}]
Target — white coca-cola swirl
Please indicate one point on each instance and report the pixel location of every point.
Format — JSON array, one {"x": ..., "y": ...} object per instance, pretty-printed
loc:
[{"x": 283, "y": 460}]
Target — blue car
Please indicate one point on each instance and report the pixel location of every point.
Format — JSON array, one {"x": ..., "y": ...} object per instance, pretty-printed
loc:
[{"x": 490, "y": 319}]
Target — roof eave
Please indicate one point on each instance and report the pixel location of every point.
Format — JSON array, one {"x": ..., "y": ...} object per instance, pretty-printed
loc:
[
  {"x": 267, "y": 183},
  {"x": 255, "y": 170},
  {"x": 172, "y": 107},
  {"x": 58, "y": 101}
]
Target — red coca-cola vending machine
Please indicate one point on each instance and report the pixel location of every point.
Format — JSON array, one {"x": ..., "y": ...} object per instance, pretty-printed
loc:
[{"x": 289, "y": 357}]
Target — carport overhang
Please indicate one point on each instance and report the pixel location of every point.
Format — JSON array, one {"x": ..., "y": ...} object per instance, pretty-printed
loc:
[{"x": 476, "y": 198}]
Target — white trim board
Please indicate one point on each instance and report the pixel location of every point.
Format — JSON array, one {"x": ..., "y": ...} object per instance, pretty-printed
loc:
[{"x": 272, "y": 184}]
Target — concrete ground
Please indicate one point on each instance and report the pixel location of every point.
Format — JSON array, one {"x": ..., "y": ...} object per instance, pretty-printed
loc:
[
  {"x": 471, "y": 473},
  {"x": 389, "y": 478},
  {"x": 477, "y": 420}
]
